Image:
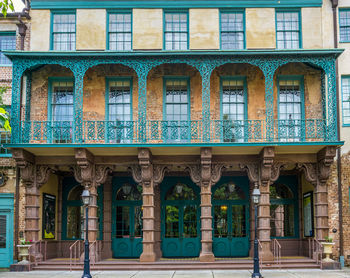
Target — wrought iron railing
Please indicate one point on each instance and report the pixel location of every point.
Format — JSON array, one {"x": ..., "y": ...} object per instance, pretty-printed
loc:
[{"x": 172, "y": 132}]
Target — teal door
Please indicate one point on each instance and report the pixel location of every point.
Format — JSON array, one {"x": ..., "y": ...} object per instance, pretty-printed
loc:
[
  {"x": 180, "y": 218},
  {"x": 231, "y": 217},
  {"x": 126, "y": 218},
  {"x": 6, "y": 230}
]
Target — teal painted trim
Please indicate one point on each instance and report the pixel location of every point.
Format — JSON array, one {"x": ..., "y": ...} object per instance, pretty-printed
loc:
[
  {"x": 66, "y": 4},
  {"x": 7, "y": 208},
  {"x": 229, "y": 11},
  {"x": 188, "y": 79},
  {"x": 300, "y": 78},
  {"x": 61, "y": 11},
  {"x": 177, "y": 11},
  {"x": 6, "y": 155},
  {"x": 342, "y": 97},
  {"x": 291, "y": 10},
  {"x": 339, "y": 11},
  {"x": 120, "y": 11},
  {"x": 194, "y": 53},
  {"x": 292, "y": 183}
]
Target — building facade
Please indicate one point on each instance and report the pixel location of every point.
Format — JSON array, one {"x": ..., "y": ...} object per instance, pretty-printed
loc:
[{"x": 171, "y": 114}]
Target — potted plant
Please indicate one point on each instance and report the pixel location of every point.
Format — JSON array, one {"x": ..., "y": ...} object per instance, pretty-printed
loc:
[
  {"x": 327, "y": 248},
  {"x": 23, "y": 248}
]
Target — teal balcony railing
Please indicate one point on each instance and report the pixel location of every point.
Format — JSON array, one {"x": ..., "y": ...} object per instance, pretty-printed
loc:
[{"x": 173, "y": 132}]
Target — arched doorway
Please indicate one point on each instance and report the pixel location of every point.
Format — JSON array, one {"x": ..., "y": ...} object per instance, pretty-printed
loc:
[
  {"x": 180, "y": 218},
  {"x": 126, "y": 218},
  {"x": 231, "y": 217}
]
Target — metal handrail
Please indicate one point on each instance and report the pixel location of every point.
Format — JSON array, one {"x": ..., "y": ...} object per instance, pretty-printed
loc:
[
  {"x": 260, "y": 255},
  {"x": 34, "y": 251},
  {"x": 277, "y": 250},
  {"x": 74, "y": 253},
  {"x": 94, "y": 251},
  {"x": 315, "y": 250}
]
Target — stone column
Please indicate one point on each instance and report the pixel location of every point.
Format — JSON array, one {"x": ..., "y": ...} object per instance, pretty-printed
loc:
[
  {"x": 59, "y": 217},
  {"x": 206, "y": 175},
  {"x": 107, "y": 217}
]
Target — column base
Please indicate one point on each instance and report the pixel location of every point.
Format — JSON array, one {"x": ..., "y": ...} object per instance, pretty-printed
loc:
[
  {"x": 266, "y": 255},
  {"x": 206, "y": 257},
  {"x": 148, "y": 257}
]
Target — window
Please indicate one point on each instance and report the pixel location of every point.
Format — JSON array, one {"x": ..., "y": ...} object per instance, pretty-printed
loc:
[
  {"x": 7, "y": 42},
  {"x": 232, "y": 30},
  {"x": 176, "y": 31},
  {"x": 344, "y": 25},
  {"x": 290, "y": 108},
  {"x": 119, "y": 31},
  {"x": 120, "y": 127},
  {"x": 176, "y": 109},
  {"x": 288, "y": 30},
  {"x": 63, "y": 31},
  {"x": 345, "y": 88},
  {"x": 62, "y": 110},
  {"x": 233, "y": 109}
]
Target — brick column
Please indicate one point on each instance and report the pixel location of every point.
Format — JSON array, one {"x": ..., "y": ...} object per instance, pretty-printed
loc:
[{"x": 107, "y": 217}]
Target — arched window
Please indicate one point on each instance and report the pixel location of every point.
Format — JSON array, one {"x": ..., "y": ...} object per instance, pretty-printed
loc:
[
  {"x": 229, "y": 191},
  {"x": 180, "y": 191},
  {"x": 129, "y": 192},
  {"x": 283, "y": 210}
]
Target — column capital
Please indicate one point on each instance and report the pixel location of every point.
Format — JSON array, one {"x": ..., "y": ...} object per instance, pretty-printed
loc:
[
  {"x": 84, "y": 170},
  {"x": 26, "y": 162}
]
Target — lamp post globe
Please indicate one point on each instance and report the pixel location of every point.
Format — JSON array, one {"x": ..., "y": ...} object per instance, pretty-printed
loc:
[
  {"x": 256, "y": 200},
  {"x": 86, "y": 198}
]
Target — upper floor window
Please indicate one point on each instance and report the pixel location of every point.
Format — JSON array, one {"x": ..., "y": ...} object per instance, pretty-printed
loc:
[
  {"x": 232, "y": 30},
  {"x": 63, "y": 31},
  {"x": 288, "y": 30},
  {"x": 7, "y": 42},
  {"x": 176, "y": 31},
  {"x": 119, "y": 31},
  {"x": 345, "y": 88},
  {"x": 344, "y": 25}
]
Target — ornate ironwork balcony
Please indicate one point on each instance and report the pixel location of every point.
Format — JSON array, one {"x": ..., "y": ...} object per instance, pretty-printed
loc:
[{"x": 173, "y": 132}]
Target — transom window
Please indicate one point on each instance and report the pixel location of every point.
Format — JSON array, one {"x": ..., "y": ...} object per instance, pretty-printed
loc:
[
  {"x": 344, "y": 25},
  {"x": 176, "y": 31},
  {"x": 63, "y": 31},
  {"x": 345, "y": 85},
  {"x": 288, "y": 30},
  {"x": 7, "y": 42},
  {"x": 232, "y": 30},
  {"x": 119, "y": 35}
]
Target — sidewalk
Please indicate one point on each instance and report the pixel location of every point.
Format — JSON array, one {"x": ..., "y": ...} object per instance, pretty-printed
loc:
[{"x": 302, "y": 273}]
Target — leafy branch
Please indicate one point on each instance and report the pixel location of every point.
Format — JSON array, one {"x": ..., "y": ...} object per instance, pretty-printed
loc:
[{"x": 6, "y": 5}]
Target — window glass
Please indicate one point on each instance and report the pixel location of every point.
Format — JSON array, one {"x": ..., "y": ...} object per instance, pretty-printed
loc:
[
  {"x": 229, "y": 191},
  {"x": 344, "y": 25},
  {"x": 119, "y": 105},
  {"x": 232, "y": 30},
  {"x": 3, "y": 228},
  {"x": 288, "y": 30},
  {"x": 129, "y": 192},
  {"x": 120, "y": 33},
  {"x": 180, "y": 192},
  {"x": 176, "y": 31},
  {"x": 345, "y": 84},
  {"x": 63, "y": 32},
  {"x": 7, "y": 42},
  {"x": 75, "y": 222}
]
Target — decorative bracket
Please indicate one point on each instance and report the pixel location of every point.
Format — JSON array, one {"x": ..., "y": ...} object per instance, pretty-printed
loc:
[
  {"x": 42, "y": 175},
  {"x": 145, "y": 162},
  {"x": 26, "y": 162},
  {"x": 84, "y": 173},
  {"x": 101, "y": 173}
]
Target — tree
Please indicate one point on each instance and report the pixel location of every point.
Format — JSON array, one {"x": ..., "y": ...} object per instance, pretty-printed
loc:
[{"x": 6, "y": 5}]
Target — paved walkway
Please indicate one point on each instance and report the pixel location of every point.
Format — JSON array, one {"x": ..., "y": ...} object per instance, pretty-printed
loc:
[{"x": 183, "y": 274}]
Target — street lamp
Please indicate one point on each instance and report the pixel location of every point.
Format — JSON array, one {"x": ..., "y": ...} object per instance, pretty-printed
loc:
[
  {"x": 86, "y": 198},
  {"x": 256, "y": 199}
]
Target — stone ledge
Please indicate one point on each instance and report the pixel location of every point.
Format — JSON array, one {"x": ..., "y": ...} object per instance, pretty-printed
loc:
[
  {"x": 330, "y": 265},
  {"x": 20, "y": 267}
]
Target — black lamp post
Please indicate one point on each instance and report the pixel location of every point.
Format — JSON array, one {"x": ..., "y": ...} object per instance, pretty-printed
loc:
[
  {"x": 256, "y": 199},
  {"x": 85, "y": 196}
]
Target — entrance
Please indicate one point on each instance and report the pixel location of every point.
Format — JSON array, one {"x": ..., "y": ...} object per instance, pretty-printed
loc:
[
  {"x": 231, "y": 217},
  {"x": 126, "y": 218},
  {"x": 6, "y": 229},
  {"x": 180, "y": 218}
]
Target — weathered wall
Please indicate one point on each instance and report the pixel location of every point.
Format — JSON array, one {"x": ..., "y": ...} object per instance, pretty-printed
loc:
[
  {"x": 91, "y": 29},
  {"x": 204, "y": 29},
  {"x": 311, "y": 37},
  {"x": 40, "y": 30},
  {"x": 260, "y": 28},
  {"x": 152, "y": 36}
]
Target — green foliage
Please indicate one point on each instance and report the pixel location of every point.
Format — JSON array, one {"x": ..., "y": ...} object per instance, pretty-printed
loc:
[
  {"x": 6, "y": 5},
  {"x": 4, "y": 115},
  {"x": 328, "y": 239}
]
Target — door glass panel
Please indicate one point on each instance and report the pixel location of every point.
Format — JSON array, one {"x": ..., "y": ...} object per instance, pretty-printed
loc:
[
  {"x": 123, "y": 222},
  {"x": 3, "y": 231},
  {"x": 220, "y": 221},
  {"x": 171, "y": 221},
  {"x": 238, "y": 221},
  {"x": 138, "y": 221},
  {"x": 282, "y": 220},
  {"x": 190, "y": 221},
  {"x": 75, "y": 222}
]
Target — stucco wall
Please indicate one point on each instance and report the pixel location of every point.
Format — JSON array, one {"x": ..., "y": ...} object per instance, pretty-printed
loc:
[
  {"x": 311, "y": 27},
  {"x": 40, "y": 30},
  {"x": 260, "y": 28},
  {"x": 91, "y": 29},
  {"x": 204, "y": 29},
  {"x": 147, "y": 36}
]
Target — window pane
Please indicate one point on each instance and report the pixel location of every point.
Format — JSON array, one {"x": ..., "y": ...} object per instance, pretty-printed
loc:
[
  {"x": 344, "y": 25},
  {"x": 74, "y": 222},
  {"x": 120, "y": 31},
  {"x": 232, "y": 31},
  {"x": 288, "y": 30},
  {"x": 63, "y": 32},
  {"x": 346, "y": 99},
  {"x": 3, "y": 228},
  {"x": 282, "y": 220},
  {"x": 176, "y": 32},
  {"x": 7, "y": 42},
  {"x": 123, "y": 221}
]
